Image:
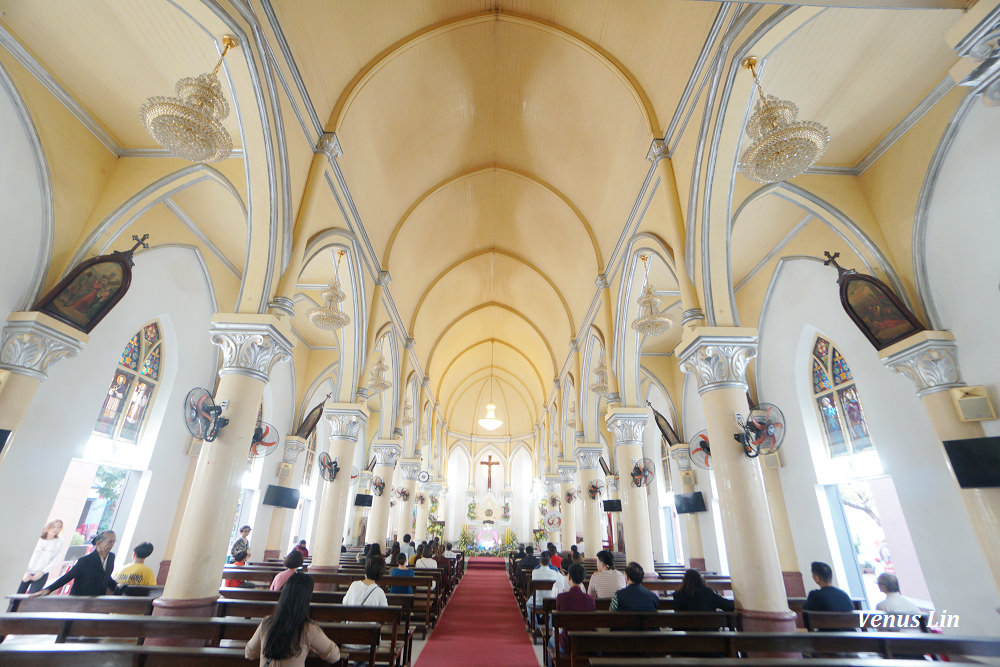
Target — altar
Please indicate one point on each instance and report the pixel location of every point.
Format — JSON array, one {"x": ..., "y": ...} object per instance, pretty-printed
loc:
[{"x": 486, "y": 535}]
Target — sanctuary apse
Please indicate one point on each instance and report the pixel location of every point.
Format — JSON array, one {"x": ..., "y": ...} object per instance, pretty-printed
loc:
[{"x": 485, "y": 191}]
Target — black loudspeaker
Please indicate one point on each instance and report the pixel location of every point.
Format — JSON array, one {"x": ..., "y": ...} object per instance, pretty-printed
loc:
[
  {"x": 687, "y": 503},
  {"x": 976, "y": 462},
  {"x": 4, "y": 436}
]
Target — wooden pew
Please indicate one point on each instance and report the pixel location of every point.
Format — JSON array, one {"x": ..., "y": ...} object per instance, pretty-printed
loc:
[
  {"x": 587, "y": 645},
  {"x": 845, "y": 661},
  {"x": 851, "y": 621},
  {"x": 390, "y": 619},
  {"x": 102, "y": 604},
  {"x": 117, "y": 655}
]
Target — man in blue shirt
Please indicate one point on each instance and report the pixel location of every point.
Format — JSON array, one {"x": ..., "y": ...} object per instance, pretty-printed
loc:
[
  {"x": 827, "y": 597},
  {"x": 635, "y": 596}
]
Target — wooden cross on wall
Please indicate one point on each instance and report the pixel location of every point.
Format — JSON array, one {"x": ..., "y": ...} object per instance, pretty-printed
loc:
[{"x": 489, "y": 470}]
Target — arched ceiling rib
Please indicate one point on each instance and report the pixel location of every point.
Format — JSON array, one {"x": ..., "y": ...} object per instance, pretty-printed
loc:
[{"x": 504, "y": 344}]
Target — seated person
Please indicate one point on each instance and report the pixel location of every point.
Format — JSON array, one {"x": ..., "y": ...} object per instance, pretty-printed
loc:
[
  {"x": 367, "y": 592},
  {"x": 555, "y": 560},
  {"x": 301, "y": 546},
  {"x": 289, "y": 636},
  {"x": 401, "y": 570},
  {"x": 293, "y": 561},
  {"x": 606, "y": 581},
  {"x": 574, "y": 599},
  {"x": 137, "y": 573},
  {"x": 545, "y": 573},
  {"x": 894, "y": 602},
  {"x": 827, "y": 597},
  {"x": 694, "y": 595},
  {"x": 575, "y": 554},
  {"x": 635, "y": 596},
  {"x": 529, "y": 562},
  {"x": 448, "y": 553}
]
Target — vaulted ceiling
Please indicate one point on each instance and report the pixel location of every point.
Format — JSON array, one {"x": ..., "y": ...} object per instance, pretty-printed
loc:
[{"x": 494, "y": 148}]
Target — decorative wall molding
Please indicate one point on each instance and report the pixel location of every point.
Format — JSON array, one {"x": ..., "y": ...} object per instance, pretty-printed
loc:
[
  {"x": 932, "y": 364},
  {"x": 29, "y": 346},
  {"x": 657, "y": 151},
  {"x": 980, "y": 48},
  {"x": 681, "y": 455},
  {"x": 329, "y": 145},
  {"x": 719, "y": 360},
  {"x": 250, "y": 348},
  {"x": 410, "y": 470},
  {"x": 292, "y": 448}
]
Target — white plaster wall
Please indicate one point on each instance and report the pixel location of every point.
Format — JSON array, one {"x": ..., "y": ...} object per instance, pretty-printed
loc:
[
  {"x": 520, "y": 506},
  {"x": 803, "y": 300},
  {"x": 456, "y": 505},
  {"x": 962, "y": 238},
  {"x": 168, "y": 284},
  {"x": 24, "y": 203}
]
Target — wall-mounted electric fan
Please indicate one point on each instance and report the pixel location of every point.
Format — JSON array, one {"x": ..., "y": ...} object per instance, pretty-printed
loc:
[
  {"x": 264, "y": 441},
  {"x": 328, "y": 467},
  {"x": 202, "y": 416},
  {"x": 701, "y": 454},
  {"x": 763, "y": 430},
  {"x": 643, "y": 472}
]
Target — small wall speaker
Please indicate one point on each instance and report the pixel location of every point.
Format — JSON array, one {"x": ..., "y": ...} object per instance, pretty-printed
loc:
[{"x": 973, "y": 404}]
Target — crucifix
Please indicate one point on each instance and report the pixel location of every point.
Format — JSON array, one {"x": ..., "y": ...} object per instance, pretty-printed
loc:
[
  {"x": 489, "y": 470},
  {"x": 832, "y": 259}
]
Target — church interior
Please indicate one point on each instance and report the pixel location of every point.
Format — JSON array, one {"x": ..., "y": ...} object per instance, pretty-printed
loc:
[{"x": 704, "y": 283}]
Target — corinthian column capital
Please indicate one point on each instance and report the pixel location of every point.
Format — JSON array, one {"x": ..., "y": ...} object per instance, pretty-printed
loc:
[
  {"x": 567, "y": 473},
  {"x": 929, "y": 358},
  {"x": 34, "y": 341},
  {"x": 386, "y": 452},
  {"x": 294, "y": 446},
  {"x": 718, "y": 356},
  {"x": 589, "y": 457},
  {"x": 251, "y": 344},
  {"x": 410, "y": 469},
  {"x": 657, "y": 151},
  {"x": 347, "y": 420},
  {"x": 627, "y": 425},
  {"x": 681, "y": 454}
]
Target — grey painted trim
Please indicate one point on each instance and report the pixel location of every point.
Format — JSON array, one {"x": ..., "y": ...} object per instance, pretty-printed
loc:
[
  {"x": 696, "y": 72},
  {"x": 35, "y": 68},
  {"x": 320, "y": 378},
  {"x": 799, "y": 226},
  {"x": 237, "y": 153},
  {"x": 292, "y": 66},
  {"x": 765, "y": 308},
  {"x": 822, "y": 170},
  {"x": 181, "y": 215},
  {"x": 47, "y": 222},
  {"x": 919, "y": 250}
]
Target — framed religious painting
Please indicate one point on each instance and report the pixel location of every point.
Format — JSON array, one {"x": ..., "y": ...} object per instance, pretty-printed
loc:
[
  {"x": 89, "y": 292},
  {"x": 876, "y": 310}
]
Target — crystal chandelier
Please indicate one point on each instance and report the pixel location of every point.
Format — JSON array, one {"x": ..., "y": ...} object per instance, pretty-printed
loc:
[
  {"x": 600, "y": 385},
  {"x": 782, "y": 147},
  {"x": 329, "y": 316},
  {"x": 653, "y": 322},
  {"x": 377, "y": 380},
  {"x": 190, "y": 125},
  {"x": 490, "y": 421},
  {"x": 407, "y": 417},
  {"x": 571, "y": 415}
]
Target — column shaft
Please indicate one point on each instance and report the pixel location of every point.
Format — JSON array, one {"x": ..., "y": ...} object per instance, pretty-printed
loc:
[
  {"x": 569, "y": 498},
  {"x": 276, "y": 545},
  {"x": 681, "y": 454},
  {"x": 408, "y": 471},
  {"x": 590, "y": 471},
  {"x": 386, "y": 454},
  {"x": 347, "y": 423},
  {"x": 423, "y": 510},
  {"x": 628, "y": 425}
]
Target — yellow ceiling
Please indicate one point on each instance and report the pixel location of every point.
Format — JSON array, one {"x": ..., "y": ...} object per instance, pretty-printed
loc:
[{"x": 494, "y": 149}]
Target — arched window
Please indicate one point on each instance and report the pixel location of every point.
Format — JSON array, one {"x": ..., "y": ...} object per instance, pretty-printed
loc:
[
  {"x": 844, "y": 427},
  {"x": 132, "y": 387}
]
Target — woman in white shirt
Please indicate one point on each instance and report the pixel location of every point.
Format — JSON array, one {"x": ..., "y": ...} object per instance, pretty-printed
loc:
[
  {"x": 367, "y": 592},
  {"x": 424, "y": 560},
  {"x": 48, "y": 548}
]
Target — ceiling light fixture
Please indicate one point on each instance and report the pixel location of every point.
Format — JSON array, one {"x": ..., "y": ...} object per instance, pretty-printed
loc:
[
  {"x": 782, "y": 147},
  {"x": 190, "y": 125},
  {"x": 329, "y": 316},
  {"x": 407, "y": 417},
  {"x": 600, "y": 385},
  {"x": 490, "y": 421},
  {"x": 377, "y": 381},
  {"x": 653, "y": 322}
]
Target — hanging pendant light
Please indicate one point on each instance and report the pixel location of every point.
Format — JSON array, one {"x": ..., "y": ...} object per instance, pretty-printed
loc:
[
  {"x": 571, "y": 415},
  {"x": 190, "y": 125},
  {"x": 782, "y": 147},
  {"x": 650, "y": 322},
  {"x": 407, "y": 418},
  {"x": 329, "y": 316},
  {"x": 377, "y": 381},
  {"x": 600, "y": 385},
  {"x": 490, "y": 421}
]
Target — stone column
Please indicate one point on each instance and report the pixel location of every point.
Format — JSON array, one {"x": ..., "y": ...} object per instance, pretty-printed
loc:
[
  {"x": 386, "y": 453},
  {"x": 31, "y": 343},
  {"x": 930, "y": 360},
  {"x": 347, "y": 423},
  {"x": 552, "y": 493},
  {"x": 718, "y": 358},
  {"x": 250, "y": 345},
  {"x": 588, "y": 456},
  {"x": 409, "y": 469},
  {"x": 275, "y": 547},
  {"x": 681, "y": 454},
  {"x": 627, "y": 425},
  {"x": 422, "y": 499},
  {"x": 794, "y": 584},
  {"x": 567, "y": 477}
]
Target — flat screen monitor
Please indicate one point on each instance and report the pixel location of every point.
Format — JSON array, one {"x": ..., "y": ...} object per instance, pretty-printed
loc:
[
  {"x": 281, "y": 496},
  {"x": 613, "y": 505},
  {"x": 363, "y": 500},
  {"x": 686, "y": 503},
  {"x": 976, "y": 462}
]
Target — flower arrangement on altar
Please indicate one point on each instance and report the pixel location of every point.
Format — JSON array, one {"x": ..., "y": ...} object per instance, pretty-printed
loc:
[
  {"x": 420, "y": 499},
  {"x": 505, "y": 512},
  {"x": 472, "y": 511},
  {"x": 434, "y": 504},
  {"x": 466, "y": 540}
]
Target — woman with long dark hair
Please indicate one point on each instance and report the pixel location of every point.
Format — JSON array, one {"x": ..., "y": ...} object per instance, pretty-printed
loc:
[
  {"x": 288, "y": 637},
  {"x": 694, "y": 595}
]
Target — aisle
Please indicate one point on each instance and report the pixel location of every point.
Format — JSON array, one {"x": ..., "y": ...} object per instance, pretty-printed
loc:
[{"x": 481, "y": 624}]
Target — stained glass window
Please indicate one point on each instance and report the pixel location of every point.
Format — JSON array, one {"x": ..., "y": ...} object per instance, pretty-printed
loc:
[
  {"x": 125, "y": 406},
  {"x": 837, "y": 402},
  {"x": 130, "y": 356}
]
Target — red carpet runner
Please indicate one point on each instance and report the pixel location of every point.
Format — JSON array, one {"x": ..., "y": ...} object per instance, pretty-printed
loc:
[{"x": 481, "y": 624}]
